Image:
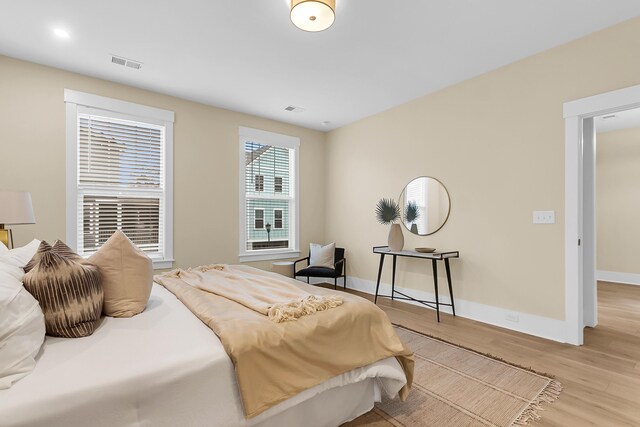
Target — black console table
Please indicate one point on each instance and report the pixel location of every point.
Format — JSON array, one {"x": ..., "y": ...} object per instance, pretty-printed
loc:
[{"x": 434, "y": 257}]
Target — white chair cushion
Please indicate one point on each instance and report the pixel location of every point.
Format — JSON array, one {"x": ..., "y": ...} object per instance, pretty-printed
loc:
[{"x": 322, "y": 256}]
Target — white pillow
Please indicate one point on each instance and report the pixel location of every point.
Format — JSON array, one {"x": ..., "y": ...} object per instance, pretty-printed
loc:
[
  {"x": 19, "y": 257},
  {"x": 13, "y": 271},
  {"x": 22, "y": 332},
  {"x": 322, "y": 256}
]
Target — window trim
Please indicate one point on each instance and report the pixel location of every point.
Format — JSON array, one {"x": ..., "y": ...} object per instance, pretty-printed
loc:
[
  {"x": 281, "y": 219},
  {"x": 279, "y": 140},
  {"x": 75, "y": 101}
]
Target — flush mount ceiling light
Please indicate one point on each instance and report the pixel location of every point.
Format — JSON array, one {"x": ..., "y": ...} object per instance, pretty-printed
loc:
[{"x": 313, "y": 15}]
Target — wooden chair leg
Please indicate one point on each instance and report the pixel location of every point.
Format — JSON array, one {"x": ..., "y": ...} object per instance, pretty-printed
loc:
[
  {"x": 344, "y": 281},
  {"x": 307, "y": 279},
  {"x": 335, "y": 282}
]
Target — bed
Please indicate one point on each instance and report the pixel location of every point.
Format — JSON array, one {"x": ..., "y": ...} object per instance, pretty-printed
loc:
[{"x": 164, "y": 367}]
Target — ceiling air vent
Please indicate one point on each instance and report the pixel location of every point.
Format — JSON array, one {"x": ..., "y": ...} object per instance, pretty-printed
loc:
[
  {"x": 294, "y": 109},
  {"x": 126, "y": 62}
]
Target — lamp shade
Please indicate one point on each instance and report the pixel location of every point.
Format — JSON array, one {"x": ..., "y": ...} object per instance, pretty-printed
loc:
[
  {"x": 313, "y": 15},
  {"x": 16, "y": 208}
]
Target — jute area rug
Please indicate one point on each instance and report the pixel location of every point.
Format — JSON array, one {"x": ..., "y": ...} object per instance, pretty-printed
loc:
[{"x": 453, "y": 386}]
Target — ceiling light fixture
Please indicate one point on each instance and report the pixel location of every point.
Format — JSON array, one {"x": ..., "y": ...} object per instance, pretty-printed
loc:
[
  {"x": 313, "y": 15},
  {"x": 61, "y": 33}
]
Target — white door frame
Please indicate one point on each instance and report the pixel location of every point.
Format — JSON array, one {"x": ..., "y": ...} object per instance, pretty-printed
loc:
[{"x": 580, "y": 192}]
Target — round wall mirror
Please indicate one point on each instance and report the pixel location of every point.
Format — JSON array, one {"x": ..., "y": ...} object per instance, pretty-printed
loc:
[{"x": 425, "y": 205}]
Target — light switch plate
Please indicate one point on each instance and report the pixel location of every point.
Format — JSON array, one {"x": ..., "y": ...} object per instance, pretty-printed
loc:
[{"x": 544, "y": 217}]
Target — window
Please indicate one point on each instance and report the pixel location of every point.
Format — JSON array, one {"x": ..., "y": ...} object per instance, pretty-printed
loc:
[
  {"x": 277, "y": 218},
  {"x": 119, "y": 175},
  {"x": 269, "y": 204},
  {"x": 259, "y": 182},
  {"x": 258, "y": 219}
]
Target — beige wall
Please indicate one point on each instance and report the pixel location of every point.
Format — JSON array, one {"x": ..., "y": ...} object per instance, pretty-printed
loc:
[
  {"x": 618, "y": 201},
  {"x": 497, "y": 144},
  {"x": 32, "y": 142}
]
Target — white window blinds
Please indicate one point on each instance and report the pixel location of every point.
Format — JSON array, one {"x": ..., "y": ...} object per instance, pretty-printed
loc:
[
  {"x": 119, "y": 153},
  {"x": 121, "y": 183}
]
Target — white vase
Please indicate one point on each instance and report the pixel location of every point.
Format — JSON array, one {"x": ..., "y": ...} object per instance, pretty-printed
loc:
[{"x": 396, "y": 239}]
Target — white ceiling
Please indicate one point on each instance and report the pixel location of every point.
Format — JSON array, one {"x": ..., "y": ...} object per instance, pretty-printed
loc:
[
  {"x": 245, "y": 55},
  {"x": 617, "y": 121}
]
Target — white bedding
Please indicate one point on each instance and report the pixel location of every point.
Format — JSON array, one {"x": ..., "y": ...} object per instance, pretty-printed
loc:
[{"x": 164, "y": 367}]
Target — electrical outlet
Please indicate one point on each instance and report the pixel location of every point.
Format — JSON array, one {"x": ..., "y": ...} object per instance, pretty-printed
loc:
[
  {"x": 544, "y": 217},
  {"x": 512, "y": 317}
]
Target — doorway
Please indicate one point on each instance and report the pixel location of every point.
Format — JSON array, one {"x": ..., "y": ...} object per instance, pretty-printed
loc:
[{"x": 580, "y": 191}]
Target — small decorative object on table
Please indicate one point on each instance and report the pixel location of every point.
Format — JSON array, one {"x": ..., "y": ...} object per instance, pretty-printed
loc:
[
  {"x": 425, "y": 250},
  {"x": 411, "y": 215},
  {"x": 388, "y": 212},
  {"x": 284, "y": 268}
]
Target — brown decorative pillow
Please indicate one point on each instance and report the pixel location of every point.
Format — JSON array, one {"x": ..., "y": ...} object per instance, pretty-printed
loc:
[
  {"x": 127, "y": 276},
  {"x": 44, "y": 247},
  {"x": 70, "y": 295},
  {"x": 60, "y": 248}
]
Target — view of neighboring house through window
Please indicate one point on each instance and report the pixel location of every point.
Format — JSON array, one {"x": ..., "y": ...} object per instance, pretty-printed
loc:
[
  {"x": 277, "y": 218},
  {"x": 269, "y": 203},
  {"x": 259, "y": 182},
  {"x": 259, "y": 219}
]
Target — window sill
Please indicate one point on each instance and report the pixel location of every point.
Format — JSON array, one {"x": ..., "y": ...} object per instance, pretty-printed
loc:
[
  {"x": 267, "y": 256},
  {"x": 158, "y": 264},
  {"x": 162, "y": 264}
]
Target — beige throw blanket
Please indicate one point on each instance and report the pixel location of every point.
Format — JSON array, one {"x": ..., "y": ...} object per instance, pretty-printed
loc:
[
  {"x": 275, "y": 361},
  {"x": 275, "y": 297}
]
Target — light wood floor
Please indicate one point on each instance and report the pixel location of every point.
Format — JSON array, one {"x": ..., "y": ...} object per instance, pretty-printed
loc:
[{"x": 601, "y": 379}]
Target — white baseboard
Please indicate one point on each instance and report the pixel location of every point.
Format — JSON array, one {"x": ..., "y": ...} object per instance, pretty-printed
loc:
[
  {"x": 615, "y": 277},
  {"x": 531, "y": 324}
]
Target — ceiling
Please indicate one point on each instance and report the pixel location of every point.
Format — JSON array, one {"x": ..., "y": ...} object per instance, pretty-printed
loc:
[
  {"x": 617, "y": 121},
  {"x": 246, "y": 55}
]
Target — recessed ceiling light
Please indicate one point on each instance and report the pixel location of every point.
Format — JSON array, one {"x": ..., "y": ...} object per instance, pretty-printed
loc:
[{"x": 61, "y": 33}]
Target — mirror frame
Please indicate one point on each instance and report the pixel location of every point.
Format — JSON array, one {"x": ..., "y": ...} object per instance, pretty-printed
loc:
[{"x": 402, "y": 207}]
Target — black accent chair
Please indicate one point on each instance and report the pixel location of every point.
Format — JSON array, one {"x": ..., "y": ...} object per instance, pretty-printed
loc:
[{"x": 339, "y": 270}]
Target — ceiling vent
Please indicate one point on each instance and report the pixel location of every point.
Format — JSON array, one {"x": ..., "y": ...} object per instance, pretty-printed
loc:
[
  {"x": 294, "y": 109},
  {"x": 126, "y": 62}
]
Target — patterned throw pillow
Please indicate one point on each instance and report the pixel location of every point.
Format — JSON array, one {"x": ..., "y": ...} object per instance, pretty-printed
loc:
[
  {"x": 42, "y": 249},
  {"x": 59, "y": 248},
  {"x": 70, "y": 295}
]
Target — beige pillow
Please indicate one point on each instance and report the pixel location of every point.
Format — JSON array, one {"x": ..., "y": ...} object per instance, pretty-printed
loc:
[
  {"x": 69, "y": 294},
  {"x": 127, "y": 276}
]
